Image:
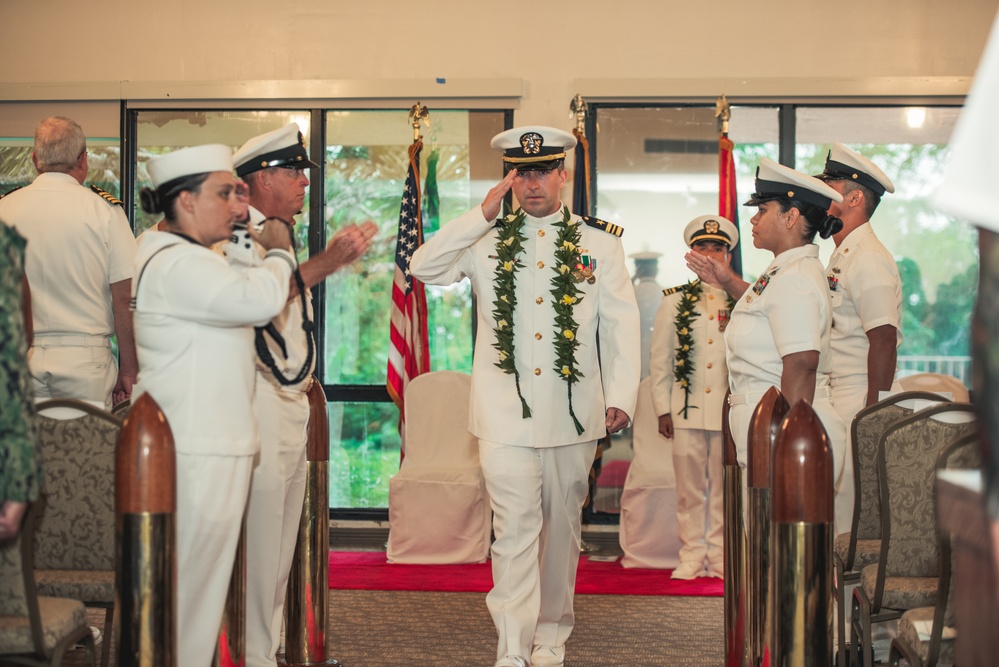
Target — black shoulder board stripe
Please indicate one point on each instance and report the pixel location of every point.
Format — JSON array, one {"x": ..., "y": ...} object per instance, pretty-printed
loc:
[
  {"x": 608, "y": 227},
  {"x": 9, "y": 191},
  {"x": 673, "y": 290},
  {"x": 107, "y": 195}
]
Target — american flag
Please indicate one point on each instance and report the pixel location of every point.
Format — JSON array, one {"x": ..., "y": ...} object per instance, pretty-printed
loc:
[{"x": 409, "y": 349}]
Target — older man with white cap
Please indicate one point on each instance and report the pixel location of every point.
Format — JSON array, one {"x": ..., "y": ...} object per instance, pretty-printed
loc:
[
  {"x": 193, "y": 318},
  {"x": 275, "y": 167},
  {"x": 544, "y": 390},
  {"x": 689, "y": 381},
  {"x": 866, "y": 296}
]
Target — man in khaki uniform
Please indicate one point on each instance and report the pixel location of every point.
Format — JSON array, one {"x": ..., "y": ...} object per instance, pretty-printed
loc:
[{"x": 689, "y": 380}]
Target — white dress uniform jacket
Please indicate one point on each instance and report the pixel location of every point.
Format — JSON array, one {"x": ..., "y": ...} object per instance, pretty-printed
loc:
[
  {"x": 866, "y": 293},
  {"x": 78, "y": 244},
  {"x": 709, "y": 380},
  {"x": 465, "y": 247},
  {"x": 787, "y": 310},
  {"x": 192, "y": 321}
]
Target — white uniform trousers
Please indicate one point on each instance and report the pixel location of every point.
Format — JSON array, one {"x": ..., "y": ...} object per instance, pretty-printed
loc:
[
  {"x": 848, "y": 400},
  {"x": 537, "y": 496},
  {"x": 81, "y": 367},
  {"x": 697, "y": 461},
  {"x": 211, "y": 499},
  {"x": 273, "y": 515}
]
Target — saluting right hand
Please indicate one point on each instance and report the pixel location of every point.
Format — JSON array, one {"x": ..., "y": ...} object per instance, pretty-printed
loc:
[
  {"x": 494, "y": 198},
  {"x": 274, "y": 234}
]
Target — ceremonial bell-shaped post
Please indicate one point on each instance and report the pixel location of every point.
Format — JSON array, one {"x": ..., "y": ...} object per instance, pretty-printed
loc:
[
  {"x": 230, "y": 650},
  {"x": 146, "y": 538},
  {"x": 802, "y": 545},
  {"x": 763, "y": 428},
  {"x": 735, "y": 549},
  {"x": 307, "y": 605}
]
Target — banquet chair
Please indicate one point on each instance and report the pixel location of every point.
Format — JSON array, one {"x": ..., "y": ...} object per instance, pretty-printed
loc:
[
  {"x": 438, "y": 505},
  {"x": 858, "y": 547},
  {"x": 75, "y": 533},
  {"x": 925, "y": 636},
  {"x": 905, "y": 575},
  {"x": 648, "y": 533},
  {"x": 937, "y": 383},
  {"x": 34, "y": 629}
]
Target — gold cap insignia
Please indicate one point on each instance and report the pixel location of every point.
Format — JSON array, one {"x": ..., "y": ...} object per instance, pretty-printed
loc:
[
  {"x": 531, "y": 143},
  {"x": 711, "y": 226}
]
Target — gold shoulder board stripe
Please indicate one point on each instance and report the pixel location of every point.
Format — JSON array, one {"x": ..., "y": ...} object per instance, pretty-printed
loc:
[
  {"x": 674, "y": 290},
  {"x": 9, "y": 191},
  {"x": 608, "y": 227},
  {"x": 107, "y": 195}
]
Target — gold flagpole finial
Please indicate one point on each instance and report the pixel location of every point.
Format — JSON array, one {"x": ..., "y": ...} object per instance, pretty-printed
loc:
[
  {"x": 577, "y": 110},
  {"x": 418, "y": 113},
  {"x": 723, "y": 113}
]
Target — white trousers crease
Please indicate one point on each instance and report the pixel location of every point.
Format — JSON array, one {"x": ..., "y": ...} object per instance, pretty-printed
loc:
[
  {"x": 273, "y": 515},
  {"x": 211, "y": 499},
  {"x": 537, "y": 496},
  {"x": 697, "y": 461}
]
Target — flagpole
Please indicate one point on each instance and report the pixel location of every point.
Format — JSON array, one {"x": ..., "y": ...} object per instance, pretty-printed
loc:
[
  {"x": 409, "y": 349},
  {"x": 727, "y": 191}
]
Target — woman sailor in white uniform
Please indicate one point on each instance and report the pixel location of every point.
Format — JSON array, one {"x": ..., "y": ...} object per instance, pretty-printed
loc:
[
  {"x": 779, "y": 332},
  {"x": 194, "y": 318}
]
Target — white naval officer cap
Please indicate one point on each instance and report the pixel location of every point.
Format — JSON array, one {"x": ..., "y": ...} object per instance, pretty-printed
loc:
[
  {"x": 711, "y": 228},
  {"x": 775, "y": 181},
  {"x": 533, "y": 147},
  {"x": 189, "y": 161},
  {"x": 842, "y": 164},
  {"x": 284, "y": 147}
]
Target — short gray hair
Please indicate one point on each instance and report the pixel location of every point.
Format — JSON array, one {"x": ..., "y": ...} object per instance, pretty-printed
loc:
[{"x": 59, "y": 143}]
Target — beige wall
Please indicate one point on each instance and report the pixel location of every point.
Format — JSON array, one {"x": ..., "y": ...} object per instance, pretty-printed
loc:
[{"x": 649, "y": 49}]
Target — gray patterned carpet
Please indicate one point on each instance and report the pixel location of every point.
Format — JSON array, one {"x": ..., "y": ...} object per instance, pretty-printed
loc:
[{"x": 399, "y": 629}]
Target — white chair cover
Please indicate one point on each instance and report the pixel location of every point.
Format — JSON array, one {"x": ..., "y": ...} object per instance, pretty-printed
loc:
[
  {"x": 648, "y": 503},
  {"x": 438, "y": 506},
  {"x": 947, "y": 385}
]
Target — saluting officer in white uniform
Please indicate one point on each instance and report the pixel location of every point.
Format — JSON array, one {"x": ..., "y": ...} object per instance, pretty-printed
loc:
[
  {"x": 866, "y": 298},
  {"x": 689, "y": 380},
  {"x": 546, "y": 283},
  {"x": 780, "y": 329},
  {"x": 79, "y": 262},
  {"x": 275, "y": 167},
  {"x": 193, "y": 323}
]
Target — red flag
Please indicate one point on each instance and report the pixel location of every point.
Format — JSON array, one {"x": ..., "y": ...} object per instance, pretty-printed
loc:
[
  {"x": 409, "y": 348},
  {"x": 728, "y": 198}
]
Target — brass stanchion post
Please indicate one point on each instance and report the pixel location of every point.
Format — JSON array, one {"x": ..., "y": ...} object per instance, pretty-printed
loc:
[
  {"x": 307, "y": 604},
  {"x": 802, "y": 542},
  {"x": 763, "y": 427},
  {"x": 146, "y": 538}
]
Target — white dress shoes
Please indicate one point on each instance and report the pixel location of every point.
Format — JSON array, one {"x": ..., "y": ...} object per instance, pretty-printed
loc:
[
  {"x": 511, "y": 661},
  {"x": 548, "y": 656}
]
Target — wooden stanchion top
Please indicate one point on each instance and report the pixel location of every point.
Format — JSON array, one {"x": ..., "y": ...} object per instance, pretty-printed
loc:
[
  {"x": 730, "y": 455},
  {"x": 318, "y": 448},
  {"x": 802, "y": 469},
  {"x": 145, "y": 461},
  {"x": 763, "y": 427}
]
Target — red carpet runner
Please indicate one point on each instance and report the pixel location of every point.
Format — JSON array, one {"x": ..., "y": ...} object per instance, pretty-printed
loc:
[{"x": 367, "y": 570}]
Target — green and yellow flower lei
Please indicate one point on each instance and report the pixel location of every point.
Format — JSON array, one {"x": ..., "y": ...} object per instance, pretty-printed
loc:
[
  {"x": 686, "y": 313},
  {"x": 509, "y": 245}
]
